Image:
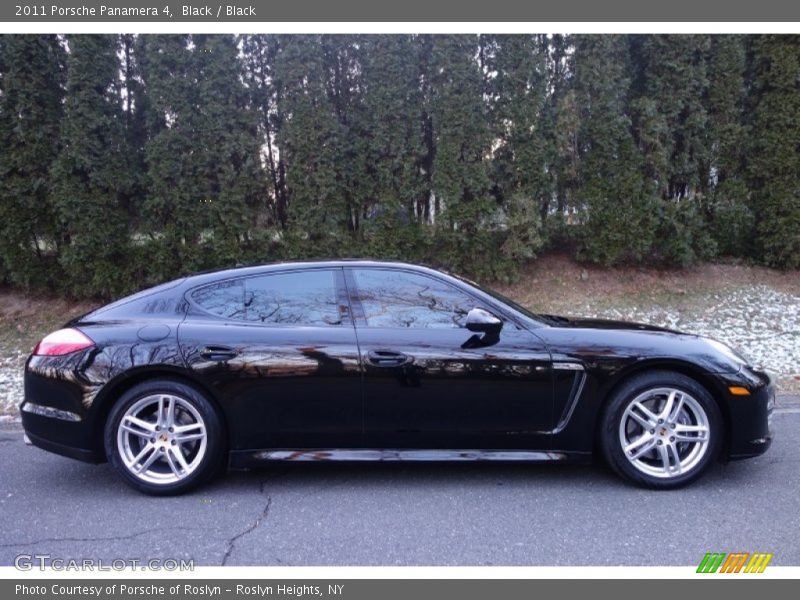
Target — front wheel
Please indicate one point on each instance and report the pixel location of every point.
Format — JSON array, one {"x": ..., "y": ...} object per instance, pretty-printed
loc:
[
  {"x": 661, "y": 430},
  {"x": 164, "y": 437}
]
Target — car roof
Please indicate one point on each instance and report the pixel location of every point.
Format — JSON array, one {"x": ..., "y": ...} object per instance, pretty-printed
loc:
[{"x": 244, "y": 271}]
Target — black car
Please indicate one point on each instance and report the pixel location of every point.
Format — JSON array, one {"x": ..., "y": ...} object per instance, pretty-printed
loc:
[{"x": 365, "y": 360}]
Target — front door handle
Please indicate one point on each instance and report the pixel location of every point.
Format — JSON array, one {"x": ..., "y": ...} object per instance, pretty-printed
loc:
[
  {"x": 387, "y": 358},
  {"x": 218, "y": 353}
]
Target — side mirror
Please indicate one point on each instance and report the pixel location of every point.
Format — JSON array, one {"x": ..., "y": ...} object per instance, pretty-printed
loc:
[{"x": 483, "y": 321}]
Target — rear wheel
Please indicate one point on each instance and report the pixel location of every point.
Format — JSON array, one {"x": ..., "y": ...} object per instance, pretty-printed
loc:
[
  {"x": 661, "y": 430},
  {"x": 164, "y": 437}
]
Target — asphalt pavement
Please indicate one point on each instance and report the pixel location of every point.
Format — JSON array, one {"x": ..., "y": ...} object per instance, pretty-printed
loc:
[{"x": 404, "y": 513}]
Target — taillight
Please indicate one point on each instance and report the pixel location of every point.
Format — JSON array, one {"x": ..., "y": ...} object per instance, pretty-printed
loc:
[{"x": 61, "y": 342}]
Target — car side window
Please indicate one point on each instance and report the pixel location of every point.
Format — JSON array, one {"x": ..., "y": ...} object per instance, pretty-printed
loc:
[
  {"x": 393, "y": 298},
  {"x": 299, "y": 298},
  {"x": 224, "y": 299},
  {"x": 302, "y": 298}
]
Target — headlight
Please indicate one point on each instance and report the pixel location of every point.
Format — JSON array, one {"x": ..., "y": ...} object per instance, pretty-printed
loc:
[{"x": 727, "y": 351}]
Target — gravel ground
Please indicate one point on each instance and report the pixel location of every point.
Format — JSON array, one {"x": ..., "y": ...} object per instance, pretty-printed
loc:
[
  {"x": 11, "y": 382},
  {"x": 763, "y": 323}
]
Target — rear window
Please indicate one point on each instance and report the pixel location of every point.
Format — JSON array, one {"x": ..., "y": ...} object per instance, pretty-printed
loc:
[{"x": 163, "y": 305}]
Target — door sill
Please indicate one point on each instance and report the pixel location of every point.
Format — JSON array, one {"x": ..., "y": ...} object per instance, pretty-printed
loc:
[{"x": 372, "y": 455}]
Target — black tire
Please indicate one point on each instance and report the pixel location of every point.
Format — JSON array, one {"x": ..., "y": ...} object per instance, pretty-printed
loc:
[
  {"x": 700, "y": 411},
  {"x": 194, "y": 418}
]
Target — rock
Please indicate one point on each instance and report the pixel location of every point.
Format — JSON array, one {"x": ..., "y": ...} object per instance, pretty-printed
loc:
[{"x": 584, "y": 275}]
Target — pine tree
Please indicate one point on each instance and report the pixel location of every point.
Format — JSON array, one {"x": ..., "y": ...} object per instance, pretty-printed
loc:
[
  {"x": 227, "y": 141},
  {"x": 175, "y": 208},
  {"x": 30, "y": 114},
  {"x": 562, "y": 123},
  {"x": 389, "y": 127},
  {"x": 730, "y": 214},
  {"x": 260, "y": 56},
  {"x": 136, "y": 109},
  {"x": 203, "y": 154},
  {"x": 89, "y": 170},
  {"x": 616, "y": 203},
  {"x": 672, "y": 76},
  {"x": 517, "y": 65},
  {"x": 342, "y": 60},
  {"x": 671, "y": 125},
  {"x": 523, "y": 155},
  {"x": 309, "y": 140},
  {"x": 773, "y": 155},
  {"x": 462, "y": 141}
]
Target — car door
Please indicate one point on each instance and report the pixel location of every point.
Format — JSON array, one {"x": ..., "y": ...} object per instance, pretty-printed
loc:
[
  {"x": 429, "y": 383},
  {"x": 279, "y": 350}
]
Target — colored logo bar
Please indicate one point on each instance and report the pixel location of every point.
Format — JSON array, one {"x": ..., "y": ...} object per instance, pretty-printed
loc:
[{"x": 735, "y": 562}]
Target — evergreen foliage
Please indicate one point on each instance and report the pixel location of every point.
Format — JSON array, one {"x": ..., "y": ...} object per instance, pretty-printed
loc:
[
  {"x": 671, "y": 84},
  {"x": 90, "y": 175},
  {"x": 395, "y": 150},
  {"x": 30, "y": 120},
  {"x": 773, "y": 155},
  {"x": 615, "y": 199},
  {"x": 127, "y": 160},
  {"x": 729, "y": 212}
]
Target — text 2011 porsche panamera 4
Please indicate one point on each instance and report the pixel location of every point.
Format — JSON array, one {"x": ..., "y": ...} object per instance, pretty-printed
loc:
[{"x": 365, "y": 360}]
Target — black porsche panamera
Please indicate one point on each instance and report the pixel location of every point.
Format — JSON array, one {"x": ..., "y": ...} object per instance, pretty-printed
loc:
[{"x": 365, "y": 360}]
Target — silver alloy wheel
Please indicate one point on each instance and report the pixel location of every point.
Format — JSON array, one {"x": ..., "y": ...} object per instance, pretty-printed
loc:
[
  {"x": 664, "y": 432},
  {"x": 162, "y": 439}
]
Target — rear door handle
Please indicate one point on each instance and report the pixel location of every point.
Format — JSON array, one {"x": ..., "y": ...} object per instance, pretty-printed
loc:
[
  {"x": 387, "y": 358},
  {"x": 218, "y": 353}
]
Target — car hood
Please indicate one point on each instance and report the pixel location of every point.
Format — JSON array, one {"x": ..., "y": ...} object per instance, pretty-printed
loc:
[
  {"x": 617, "y": 343},
  {"x": 579, "y": 323}
]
